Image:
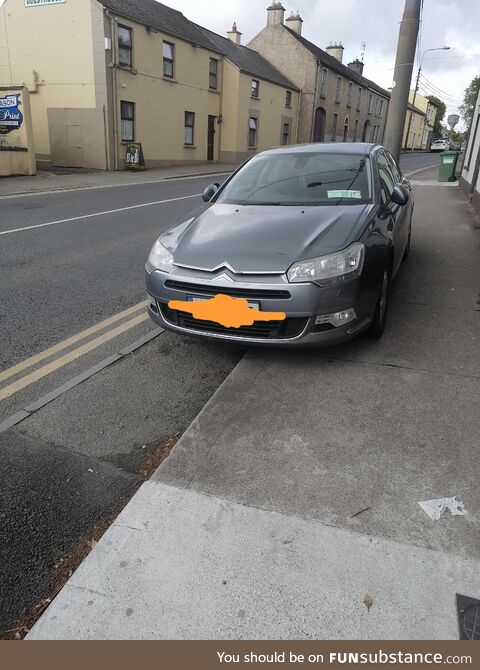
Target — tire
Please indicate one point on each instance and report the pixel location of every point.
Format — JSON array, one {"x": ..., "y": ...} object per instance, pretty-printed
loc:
[{"x": 379, "y": 320}]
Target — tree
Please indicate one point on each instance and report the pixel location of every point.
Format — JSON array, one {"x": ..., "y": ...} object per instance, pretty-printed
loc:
[
  {"x": 469, "y": 99},
  {"x": 441, "y": 109}
]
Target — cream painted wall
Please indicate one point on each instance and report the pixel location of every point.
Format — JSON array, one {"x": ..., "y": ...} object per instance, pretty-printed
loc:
[
  {"x": 161, "y": 103},
  {"x": 56, "y": 42},
  {"x": 230, "y": 111},
  {"x": 270, "y": 106}
]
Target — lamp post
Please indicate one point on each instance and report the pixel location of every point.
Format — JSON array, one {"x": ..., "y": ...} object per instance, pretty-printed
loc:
[{"x": 444, "y": 48}]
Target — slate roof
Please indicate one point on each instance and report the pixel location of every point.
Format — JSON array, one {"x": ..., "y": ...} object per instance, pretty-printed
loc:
[
  {"x": 332, "y": 63},
  {"x": 248, "y": 60},
  {"x": 173, "y": 22}
]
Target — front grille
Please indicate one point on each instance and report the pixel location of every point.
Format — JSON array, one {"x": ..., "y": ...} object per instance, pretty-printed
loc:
[
  {"x": 267, "y": 330},
  {"x": 208, "y": 289}
]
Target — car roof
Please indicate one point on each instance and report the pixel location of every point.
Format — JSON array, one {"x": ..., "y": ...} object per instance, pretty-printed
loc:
[{"x": 359, "y": 148}]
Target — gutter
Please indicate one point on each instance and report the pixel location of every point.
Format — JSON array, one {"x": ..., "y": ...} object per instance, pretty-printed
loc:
[
  {"x": 314, "y": 101},
  {"x": 113, "y": 66}
]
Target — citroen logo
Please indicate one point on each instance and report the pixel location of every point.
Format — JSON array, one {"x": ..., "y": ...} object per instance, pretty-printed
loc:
[{"x": 223, "y": 277}]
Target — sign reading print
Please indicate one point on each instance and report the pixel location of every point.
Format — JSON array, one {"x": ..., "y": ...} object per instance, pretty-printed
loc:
[{"x": 11, "y": 118}]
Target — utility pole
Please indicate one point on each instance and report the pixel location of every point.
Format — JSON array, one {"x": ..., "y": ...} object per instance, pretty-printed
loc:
[{"x": 397, "y": 109}]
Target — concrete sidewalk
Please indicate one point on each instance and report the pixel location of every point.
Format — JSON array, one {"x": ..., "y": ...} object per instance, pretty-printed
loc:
[
  {"x": 62, "y": 179},
  {"x": 294, "y": 494}
]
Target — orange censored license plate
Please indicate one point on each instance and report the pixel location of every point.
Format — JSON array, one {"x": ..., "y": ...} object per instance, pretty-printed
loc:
[{"x": 225, "y": 310}]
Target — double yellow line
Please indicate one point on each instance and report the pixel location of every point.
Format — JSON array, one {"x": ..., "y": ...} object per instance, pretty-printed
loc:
[{"x": 72, "y": 355}]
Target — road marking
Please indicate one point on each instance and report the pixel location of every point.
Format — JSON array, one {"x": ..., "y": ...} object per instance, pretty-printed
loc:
[
  {"x": 68, "y": 358},
  {"x": 90, "y": 216},
  {"x": 428, "y": 167},
  {"x": 72, "y": 189},
  {"x": 33, "y": 360}
]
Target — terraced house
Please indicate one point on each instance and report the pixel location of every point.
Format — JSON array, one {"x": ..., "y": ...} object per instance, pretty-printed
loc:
[
  {"x": 104, "y": 73},
  {"x": 338, "y": 103}
]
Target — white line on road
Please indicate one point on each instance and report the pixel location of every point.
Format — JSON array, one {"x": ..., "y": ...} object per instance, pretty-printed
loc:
[
  {"x": 89, "y": 216},
  {"x": 428, "y": 167}
]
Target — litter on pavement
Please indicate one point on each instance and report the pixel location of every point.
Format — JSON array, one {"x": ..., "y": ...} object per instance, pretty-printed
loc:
[{"x": 435, "y": 508}]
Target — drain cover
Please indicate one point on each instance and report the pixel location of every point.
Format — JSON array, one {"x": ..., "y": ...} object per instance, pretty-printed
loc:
[{"x": 468, "y": 617}]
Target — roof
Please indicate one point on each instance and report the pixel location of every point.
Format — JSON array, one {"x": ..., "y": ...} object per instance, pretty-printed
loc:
[
  {"x": 334, "y": 64},
  {"x": 249, "y": 60},
  {"x": 173, "y": 22}
]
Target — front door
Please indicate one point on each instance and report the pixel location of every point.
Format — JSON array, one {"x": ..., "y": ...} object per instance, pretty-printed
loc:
[{"x": 211, "y": 138}]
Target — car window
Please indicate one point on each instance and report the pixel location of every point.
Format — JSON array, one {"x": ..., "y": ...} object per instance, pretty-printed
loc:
[
  {"x": 301, "y": 178},
  {"x": 397, "y": 173},
  {"x": 387, "y": 177}
]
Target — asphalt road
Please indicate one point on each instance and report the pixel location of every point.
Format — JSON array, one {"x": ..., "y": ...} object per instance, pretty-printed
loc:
[{"x": 69, "y": 262}]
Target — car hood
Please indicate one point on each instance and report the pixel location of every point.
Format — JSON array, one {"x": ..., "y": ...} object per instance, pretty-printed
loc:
[{"x": 263, "y": 239}]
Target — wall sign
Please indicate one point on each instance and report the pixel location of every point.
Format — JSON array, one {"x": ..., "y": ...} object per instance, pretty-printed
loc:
[
  {"x": 38, "y": 3},
  {"x": 11, "y": 118}
]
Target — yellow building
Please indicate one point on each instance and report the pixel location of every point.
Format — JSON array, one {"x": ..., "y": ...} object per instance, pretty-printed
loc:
[
  {"x": 103, "y": 73},
  {"x": 421, "y": 125}
]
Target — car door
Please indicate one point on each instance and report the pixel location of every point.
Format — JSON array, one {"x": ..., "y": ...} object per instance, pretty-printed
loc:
[{"x": 389, "y": 177}]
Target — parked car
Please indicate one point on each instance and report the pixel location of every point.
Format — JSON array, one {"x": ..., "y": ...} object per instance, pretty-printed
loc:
[
  {"x": 439, "y": 145},
  {"x": 315, "y": 231}
]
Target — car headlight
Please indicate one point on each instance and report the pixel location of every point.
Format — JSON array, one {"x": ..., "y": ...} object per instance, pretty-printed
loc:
[
  {"x": 159, "y": 258},
  {"x": 332, "y": 269}
]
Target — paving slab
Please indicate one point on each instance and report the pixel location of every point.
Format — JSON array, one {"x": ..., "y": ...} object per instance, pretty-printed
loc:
[{"x": 177, "y": 564}]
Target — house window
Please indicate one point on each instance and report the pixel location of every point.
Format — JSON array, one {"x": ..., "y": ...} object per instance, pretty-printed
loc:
[
  {"x": 168, "y": 59},
  {"x": 355, "y": 130},
  {"x": 345, "y": 129},
  {"x": 334, "y": 127},
  {"x": 359, "y": 99},
  {"x": 189, "y": 126},
  {"x": 213, "y": 73},
  {"x": 125, "y": 45},
  {"x": 339, "y": 89},
  {"x": 370, "y": 102},
  {"x": 288, "y": 99},
  {"x": 323, "y": 85},
  {"x": 252, "y": 132},
  {"x": 255, "y": 88},
  {"x": 380, "y": 111},
  {"x": 349, "y": 95},
  {"x": 127, "y": 116},
  {"x": 286, "y": 133}
]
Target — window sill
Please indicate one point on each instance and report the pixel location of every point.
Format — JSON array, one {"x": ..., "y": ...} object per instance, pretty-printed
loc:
[
  {"x": 254, "y": 97},
  {"x": 214, "y": 90},
  {"x": 252, "y": 148},
  {"x": 189, "y": 146},
  {"x": 127, "y": 68},
  {"x": 288, "y": 106},
  {"x": 125, "y": 142},
  {"x": 170, "y": 79}
]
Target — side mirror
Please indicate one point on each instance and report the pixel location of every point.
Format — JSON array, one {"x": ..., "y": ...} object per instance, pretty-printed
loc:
[
  {"x": 209, "y": 192},
  {"x": 399, "y": 195}
]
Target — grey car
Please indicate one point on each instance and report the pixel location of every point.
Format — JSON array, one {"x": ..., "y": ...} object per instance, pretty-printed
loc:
[{"x": 315, "y": 231}]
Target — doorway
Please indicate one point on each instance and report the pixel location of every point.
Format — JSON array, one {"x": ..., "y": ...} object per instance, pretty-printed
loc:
[
  {"x": 365, "y": 130},
  {"x": 319, "y": 125},
  {"x": 211, "y": 138}
]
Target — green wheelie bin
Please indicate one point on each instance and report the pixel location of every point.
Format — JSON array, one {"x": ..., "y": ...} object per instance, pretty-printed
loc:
[{"x": 448, "y": 163}]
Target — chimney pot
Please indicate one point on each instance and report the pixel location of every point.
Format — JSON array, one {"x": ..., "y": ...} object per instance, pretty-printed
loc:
[
  {"x": 356, "y": 66},
  {"x": 235, "y": 35},
  {"x": 335, "y": 50},
  {"x": 294, "y": 22}
]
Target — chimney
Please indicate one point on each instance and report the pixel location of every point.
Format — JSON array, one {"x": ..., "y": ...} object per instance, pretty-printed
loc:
[
  {"x": 335, "y": 50},
  {"x": 294, "y": 22},
  {"x": 235, "y": 35},
  {"x": 356, "y": 66},
  {"x": 275, "y": 14}
]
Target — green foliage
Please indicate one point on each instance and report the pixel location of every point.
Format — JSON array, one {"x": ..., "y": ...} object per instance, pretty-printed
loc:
[
  {"x": 441, "y": 109},
  {"x": 469, "y": 100}
]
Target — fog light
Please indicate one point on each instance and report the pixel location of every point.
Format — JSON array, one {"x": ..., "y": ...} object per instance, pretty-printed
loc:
[
  {"x": 338, "y": 318},
  {"x": 341, "y": 318}
]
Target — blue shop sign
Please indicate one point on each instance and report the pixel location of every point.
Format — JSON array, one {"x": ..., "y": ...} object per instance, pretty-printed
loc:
[{"x": 11, "y": 118}]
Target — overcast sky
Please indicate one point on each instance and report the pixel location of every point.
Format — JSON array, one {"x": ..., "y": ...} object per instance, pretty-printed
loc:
[{"x": 455, "y": 23}]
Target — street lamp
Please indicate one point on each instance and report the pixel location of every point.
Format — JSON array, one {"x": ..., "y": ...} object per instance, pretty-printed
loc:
[{"x": 444, "y": 48}]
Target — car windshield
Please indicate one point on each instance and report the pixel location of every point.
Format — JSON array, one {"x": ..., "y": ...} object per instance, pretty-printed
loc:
[{"x": 301, "y": 178}]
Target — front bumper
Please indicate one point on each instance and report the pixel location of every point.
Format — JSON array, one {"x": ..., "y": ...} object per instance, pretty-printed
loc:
[{"x": 302, "y": 303}]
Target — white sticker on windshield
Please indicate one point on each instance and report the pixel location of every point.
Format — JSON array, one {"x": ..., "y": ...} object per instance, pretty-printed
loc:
[{"x": 344, "y": 194}]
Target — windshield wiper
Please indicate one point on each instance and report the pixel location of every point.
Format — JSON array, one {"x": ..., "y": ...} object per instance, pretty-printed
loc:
[{"x": 253, "y": 202}]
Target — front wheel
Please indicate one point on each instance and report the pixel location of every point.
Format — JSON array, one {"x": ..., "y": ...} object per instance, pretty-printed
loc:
[{"x": 377, "y": 326}]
